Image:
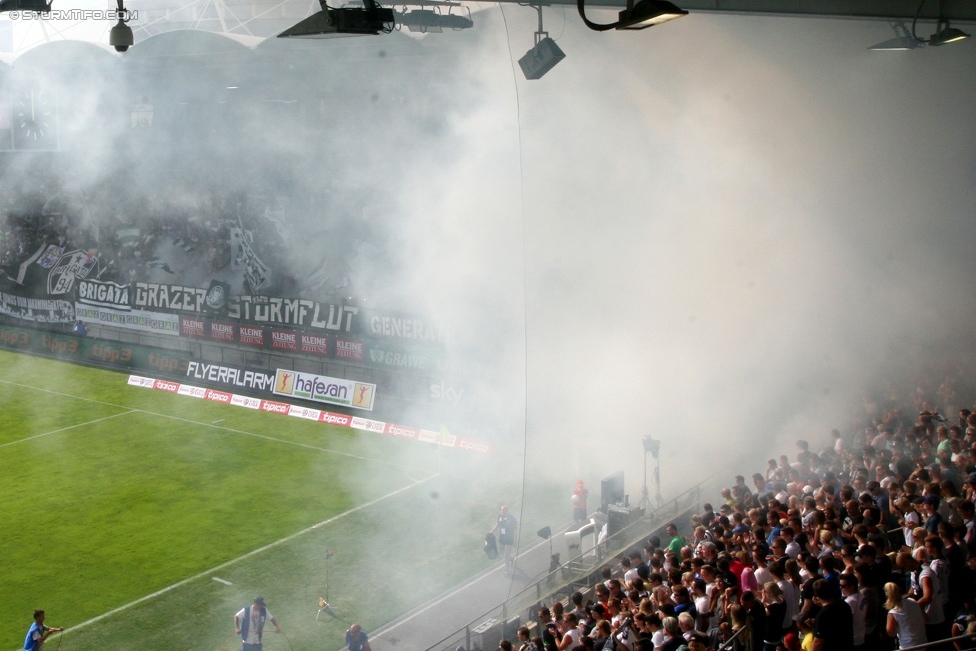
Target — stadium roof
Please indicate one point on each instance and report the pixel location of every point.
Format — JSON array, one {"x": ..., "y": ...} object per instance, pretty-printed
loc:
[{"x": 250, "y": 22}]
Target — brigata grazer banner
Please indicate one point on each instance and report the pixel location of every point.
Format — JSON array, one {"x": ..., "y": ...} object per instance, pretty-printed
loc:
[
  {"x": 320, "y": 388},
  {"x": 98, "y": 293}
]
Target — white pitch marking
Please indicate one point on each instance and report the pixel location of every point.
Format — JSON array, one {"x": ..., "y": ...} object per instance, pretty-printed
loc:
[
  {"x": 220, "y": 427},
  {"x": 65, "y": 429},
  {"x": 247, "y": 555},
  {"x": 222, "y": 581},
  {"x": 384, "y": 630},
  {"x": 219, "y": 420}
]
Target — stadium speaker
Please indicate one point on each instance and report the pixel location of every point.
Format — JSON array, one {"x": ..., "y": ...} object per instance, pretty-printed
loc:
[
  {"x": 541, "y": 59},
  {"x": 488, "y": 634},
  {"x": 618, "y": 518}
]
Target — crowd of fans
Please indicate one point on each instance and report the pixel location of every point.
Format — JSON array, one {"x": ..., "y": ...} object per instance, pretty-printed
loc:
[
  {"x": 143, "y": 238},
  {"x": 866, "y": 545}
]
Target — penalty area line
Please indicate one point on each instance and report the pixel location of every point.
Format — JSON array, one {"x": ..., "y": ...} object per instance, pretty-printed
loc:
[
  {"x": 254, "y": 552},
  {"x": 65, "y": 429}
]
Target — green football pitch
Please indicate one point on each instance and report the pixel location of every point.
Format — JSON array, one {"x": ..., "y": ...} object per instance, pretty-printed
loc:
[{"x": 144, "y": 520}]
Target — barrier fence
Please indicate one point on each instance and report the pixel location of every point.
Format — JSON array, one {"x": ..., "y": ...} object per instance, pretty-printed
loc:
[
  {"x": 502, "y": 621},
  {"x": 170, "y": 357}
]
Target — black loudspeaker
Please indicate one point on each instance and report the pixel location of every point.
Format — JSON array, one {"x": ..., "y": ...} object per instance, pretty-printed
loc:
[
  {"x": 618, "y": 517},
  {"x": 541, "y": 59}
]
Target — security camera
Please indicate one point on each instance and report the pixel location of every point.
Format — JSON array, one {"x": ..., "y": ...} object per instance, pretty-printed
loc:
[{"x": 121, "y": 36}]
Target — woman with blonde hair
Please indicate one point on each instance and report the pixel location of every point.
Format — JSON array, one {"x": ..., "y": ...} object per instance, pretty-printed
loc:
[
  {"x": 771, "y": 597},
  {"x": 905, "y": 618}
]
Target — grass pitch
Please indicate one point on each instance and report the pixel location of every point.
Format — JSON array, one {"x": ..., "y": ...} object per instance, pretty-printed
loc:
[{"x": 118, "y": 503}]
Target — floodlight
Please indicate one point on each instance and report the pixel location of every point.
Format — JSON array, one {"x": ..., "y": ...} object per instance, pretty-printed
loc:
[
  {"x": 897, "y": 44},
  {"x": 544, "y": 533},
  {"x": 644, "y": 14},
  {"x": 39, "y": 6},
  {"x": 944, "y": 33},
  {"x": 426, "y": 20},
  {"x": 371, "y": 19},
  {"x": 903, "y": 40},
  {"x": 947, "y": 35},
  {"x": 648, "y": 13},
  {"x": 652, "y": 445}
]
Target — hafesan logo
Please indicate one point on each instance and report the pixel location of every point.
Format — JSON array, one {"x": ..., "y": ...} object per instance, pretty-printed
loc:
[
  {"x": 285, "y": 382},
  {"x": 363, "y": 396}
]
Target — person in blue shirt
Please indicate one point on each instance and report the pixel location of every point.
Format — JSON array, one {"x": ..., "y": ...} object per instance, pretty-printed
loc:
[
  {"x": 39, "y": 632},
  {"x": 356, "y": 639}
]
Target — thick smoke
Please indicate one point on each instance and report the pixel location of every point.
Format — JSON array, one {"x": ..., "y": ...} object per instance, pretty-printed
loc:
[{"x": 723, "y": 232}]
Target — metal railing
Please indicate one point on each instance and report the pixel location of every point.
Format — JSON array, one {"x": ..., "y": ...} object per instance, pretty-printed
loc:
[
  {"x": 943, "y": 643},
  {"x": 496, "y": 621},
  {"x": 725, "y": 646}
]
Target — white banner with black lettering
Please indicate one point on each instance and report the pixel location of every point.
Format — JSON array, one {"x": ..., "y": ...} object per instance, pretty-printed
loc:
[
  {"x": 99, "y": 293},
  {"x": 154, "y": 322},
  {"x": 41, "y": 310}
]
